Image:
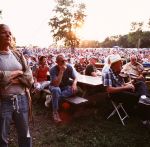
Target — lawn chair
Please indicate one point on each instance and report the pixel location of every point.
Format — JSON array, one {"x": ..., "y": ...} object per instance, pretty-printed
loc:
[{"x": 119, "y": 109}]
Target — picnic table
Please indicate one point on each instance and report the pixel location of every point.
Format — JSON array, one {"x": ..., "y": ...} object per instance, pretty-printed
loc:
[
  {"x": 84, "y": 80},
  {"x": 89, "y": 81},
  {"x": 99, "y": 65}
]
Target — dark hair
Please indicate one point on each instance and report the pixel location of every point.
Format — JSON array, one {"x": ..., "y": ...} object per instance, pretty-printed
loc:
[
  {"x": 41, "y": 58},
  {"x": 2, "y": 25}
]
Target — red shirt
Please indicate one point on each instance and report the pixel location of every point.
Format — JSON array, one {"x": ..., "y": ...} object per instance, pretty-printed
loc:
[{"x": 41, "y": 73}]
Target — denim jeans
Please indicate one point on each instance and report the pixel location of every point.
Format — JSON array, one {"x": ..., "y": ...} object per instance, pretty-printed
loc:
[
  {"x": 59, "y": 93},
  {"x": 130, "y": 96},
  {"x": 130, "y": 99},
  {"x": 14, "y": 109}
]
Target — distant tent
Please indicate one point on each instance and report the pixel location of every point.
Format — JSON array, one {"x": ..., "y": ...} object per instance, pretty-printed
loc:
[{"x": 116, "y": 46}]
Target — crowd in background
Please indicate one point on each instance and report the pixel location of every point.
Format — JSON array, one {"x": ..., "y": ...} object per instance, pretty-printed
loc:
[
  {"x": 17, "y": 79},
  {"x": 83, "y": 55}
]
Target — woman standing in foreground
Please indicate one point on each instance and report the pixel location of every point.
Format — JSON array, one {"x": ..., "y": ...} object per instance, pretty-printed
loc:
[{"x": 15, "y": 78}]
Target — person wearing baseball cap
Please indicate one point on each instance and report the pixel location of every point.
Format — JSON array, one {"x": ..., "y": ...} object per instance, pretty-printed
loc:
[
  {"x": 80, "y": 65},
  {"x": 91, "y": 69},
  {"x": 119, "y": 91}
]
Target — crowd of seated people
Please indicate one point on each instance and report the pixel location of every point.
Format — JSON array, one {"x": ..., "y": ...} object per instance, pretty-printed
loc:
[
  {"x": 83, "y": 61},
  {"x": 131, "y": 93},
  {"x": 100, "y": 54}
]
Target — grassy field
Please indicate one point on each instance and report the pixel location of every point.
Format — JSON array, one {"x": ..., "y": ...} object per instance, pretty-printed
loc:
[{"x": 86, "y": 127}]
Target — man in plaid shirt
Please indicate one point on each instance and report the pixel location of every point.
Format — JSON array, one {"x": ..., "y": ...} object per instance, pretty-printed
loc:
[{"x": 129, "y": 93}]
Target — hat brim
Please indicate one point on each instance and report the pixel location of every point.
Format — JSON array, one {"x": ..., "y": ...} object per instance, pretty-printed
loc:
[{"x": 116, "y": 61}]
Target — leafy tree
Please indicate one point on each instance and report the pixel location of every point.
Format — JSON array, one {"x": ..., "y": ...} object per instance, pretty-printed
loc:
[
  {"x": 89, "y": 44},
  {"x": 123, "y": 41},
  {"x": 136, "y": 38},
  {"x": 136, "y": 35},
  {"x": 0, "y": 14},
  {"x": 145, "y": 42},
  {"x": 68, "y": 17},
  {"x": 109, "y": 42},
  {"x": 149, "y": 23}
]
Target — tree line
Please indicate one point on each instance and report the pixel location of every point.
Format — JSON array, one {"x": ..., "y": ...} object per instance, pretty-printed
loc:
[
  {"x": 136, "y": 38},
  {"x": 68, "y": 17}
]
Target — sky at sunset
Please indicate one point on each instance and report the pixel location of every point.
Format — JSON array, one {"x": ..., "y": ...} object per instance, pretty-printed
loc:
[{"x": 28, "y": 19}]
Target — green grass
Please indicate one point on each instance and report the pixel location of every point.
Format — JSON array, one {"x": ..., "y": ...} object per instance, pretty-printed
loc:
[
  {"x": 93, "y": 131},
  {"x": 89, "y": 129}
]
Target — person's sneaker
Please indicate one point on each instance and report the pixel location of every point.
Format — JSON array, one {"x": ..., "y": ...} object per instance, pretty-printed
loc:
[
  {"x": 146, "y": 123},
  {"x": 145, "y": 101},
  {"x": 48, "y": 100}
]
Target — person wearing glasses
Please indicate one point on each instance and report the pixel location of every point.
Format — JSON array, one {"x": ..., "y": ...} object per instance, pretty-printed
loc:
[{"x": 61, "y": 85}]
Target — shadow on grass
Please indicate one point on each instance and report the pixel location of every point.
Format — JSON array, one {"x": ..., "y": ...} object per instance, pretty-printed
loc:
[{"x": 86, "y": 127}]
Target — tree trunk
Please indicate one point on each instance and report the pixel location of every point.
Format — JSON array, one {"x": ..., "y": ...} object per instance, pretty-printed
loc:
[
  {"x": 139, "y": 43},
  {"x": 72, "y": 50}
]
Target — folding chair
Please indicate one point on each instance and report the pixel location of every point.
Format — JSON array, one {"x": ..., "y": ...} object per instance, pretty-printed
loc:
[{"x": 118, "y": 107}]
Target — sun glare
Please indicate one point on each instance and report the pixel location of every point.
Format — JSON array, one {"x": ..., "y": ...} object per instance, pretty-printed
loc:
[
  {"x": 89, "y": 32},
  {"x": 29, "y": 19}
]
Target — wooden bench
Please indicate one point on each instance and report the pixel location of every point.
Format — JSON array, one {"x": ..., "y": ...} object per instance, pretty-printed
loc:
[
  {"x": 73, "y": 106},
  {"x": 73, "y": 100},
  {"x": 76, "y": 100}
]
